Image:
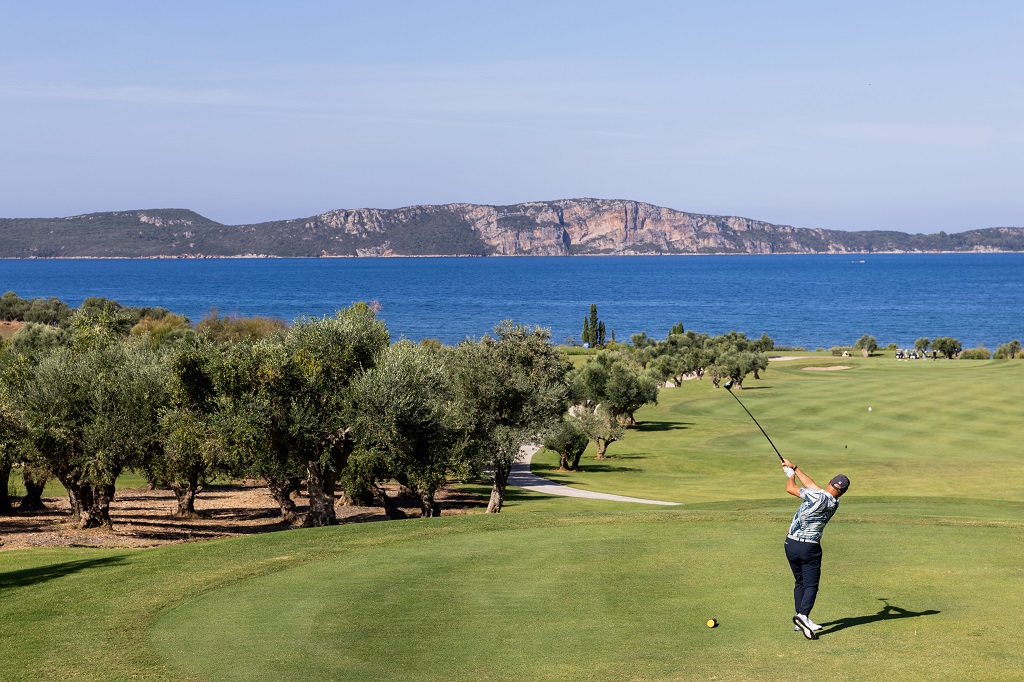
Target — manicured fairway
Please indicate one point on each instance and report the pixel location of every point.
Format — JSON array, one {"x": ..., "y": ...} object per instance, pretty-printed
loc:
[
  {"x": 923, "y": 566},
  {"x": 945, "y": 428}
]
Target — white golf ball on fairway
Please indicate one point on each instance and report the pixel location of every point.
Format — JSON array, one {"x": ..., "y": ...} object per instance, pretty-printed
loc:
[{"x": 869, "y": 409}]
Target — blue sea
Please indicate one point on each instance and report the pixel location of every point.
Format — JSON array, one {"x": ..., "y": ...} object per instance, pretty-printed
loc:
[{"x": 799, "y": 300}]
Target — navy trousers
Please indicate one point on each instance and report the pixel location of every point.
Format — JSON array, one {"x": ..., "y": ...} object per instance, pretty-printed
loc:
[{"x": 805, "y": 560}]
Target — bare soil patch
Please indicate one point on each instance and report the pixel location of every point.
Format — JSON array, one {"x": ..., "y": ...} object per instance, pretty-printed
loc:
[
  {"x": 7, "y": 328},
  {"x": 142, "y": 517},
  {"x": 830, "y": 368}
]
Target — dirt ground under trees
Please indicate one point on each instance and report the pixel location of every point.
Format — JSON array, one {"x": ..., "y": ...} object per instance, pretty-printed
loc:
[{"x": 142, "y": 517}]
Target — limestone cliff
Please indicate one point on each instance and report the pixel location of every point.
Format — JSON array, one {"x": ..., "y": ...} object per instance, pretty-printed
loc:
[{"x": 546, "y": 228}]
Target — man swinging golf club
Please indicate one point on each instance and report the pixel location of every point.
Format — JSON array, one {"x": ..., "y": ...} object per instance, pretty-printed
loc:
[{"x": 803, "y": 541}]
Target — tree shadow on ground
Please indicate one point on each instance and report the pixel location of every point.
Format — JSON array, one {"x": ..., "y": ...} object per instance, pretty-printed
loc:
[
  {"x": 42, "y": 574},
  {"x": 604, "y": 467},
  {"x": 645, "y": 426},
  {"x": 887, "y": 612}
]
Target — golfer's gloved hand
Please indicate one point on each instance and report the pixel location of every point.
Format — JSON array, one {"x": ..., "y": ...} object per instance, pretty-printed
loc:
[{"x": 789, "y": 471}]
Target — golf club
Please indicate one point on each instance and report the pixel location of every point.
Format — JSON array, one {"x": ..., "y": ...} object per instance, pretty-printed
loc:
[{"x": 728, "y": 387}]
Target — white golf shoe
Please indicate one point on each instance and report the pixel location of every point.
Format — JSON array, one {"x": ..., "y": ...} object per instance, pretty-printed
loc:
[
  {"x": 814, "y": 626},
  {"x": 805, "y": 625}
]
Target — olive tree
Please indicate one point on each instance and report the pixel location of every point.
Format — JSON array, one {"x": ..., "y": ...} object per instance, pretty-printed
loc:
[
  {"x": 289, "y": 397},
  {"x": 600, "y": 426},
  {"x": 627, "y": 390},
  {"x": 12, "y": 429},
  {"x": 736, "y": 365},
  {"x": 408, "y": 422},
  {"x": 10, "y": 440},
  {"x": 866, "y": 342},
  {"x": 190, "y": 455},
  {"x": 16, "y": 364},
  {"x": 568, "y": 440},
  {"x": 948, "y": 346},
  {"x": 514, "y": 388},
  {"x": 606, "y": 392},
  {"x": 249, "y": 426},
  {"x": 92, "y": 411}
]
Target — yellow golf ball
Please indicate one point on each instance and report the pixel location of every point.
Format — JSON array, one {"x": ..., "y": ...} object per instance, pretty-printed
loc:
[{"x": 712, "y": 623}]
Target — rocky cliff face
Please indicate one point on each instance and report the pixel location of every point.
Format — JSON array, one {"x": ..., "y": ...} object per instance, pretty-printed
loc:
[
  {"x": 581, "y": 226},
  {"x": 545, "y": 228}
]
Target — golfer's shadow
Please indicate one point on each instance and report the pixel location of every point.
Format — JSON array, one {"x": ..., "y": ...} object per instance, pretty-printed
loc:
[{"x": 888, "y": 612}]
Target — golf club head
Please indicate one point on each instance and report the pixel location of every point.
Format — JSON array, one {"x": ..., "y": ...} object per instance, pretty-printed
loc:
[{"x": 728, "y": 385}]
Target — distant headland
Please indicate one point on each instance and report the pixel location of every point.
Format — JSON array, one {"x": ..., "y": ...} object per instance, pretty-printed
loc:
[{"x": 566, "y": 227}]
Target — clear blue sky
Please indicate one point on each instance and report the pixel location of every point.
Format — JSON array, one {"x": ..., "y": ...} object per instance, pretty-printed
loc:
[{"x": 868, "y": 115}]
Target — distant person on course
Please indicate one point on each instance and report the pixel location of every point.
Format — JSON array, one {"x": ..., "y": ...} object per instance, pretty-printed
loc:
[{"x": 803, "y": 541}]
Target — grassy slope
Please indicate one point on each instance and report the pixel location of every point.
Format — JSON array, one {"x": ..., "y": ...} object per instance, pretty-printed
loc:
[{"x": 571, "y": 589}]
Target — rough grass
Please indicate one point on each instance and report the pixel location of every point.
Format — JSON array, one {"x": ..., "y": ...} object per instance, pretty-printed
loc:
[{"x": 922, "y": 570}]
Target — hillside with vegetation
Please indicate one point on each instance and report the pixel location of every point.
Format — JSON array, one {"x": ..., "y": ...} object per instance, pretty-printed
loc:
[{"x": 553, "y": 228}]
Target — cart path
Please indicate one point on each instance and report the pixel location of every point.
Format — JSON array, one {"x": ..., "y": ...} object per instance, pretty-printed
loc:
[{"x": 522, "y": 477}]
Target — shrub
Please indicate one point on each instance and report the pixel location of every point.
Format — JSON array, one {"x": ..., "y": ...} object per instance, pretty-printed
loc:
[
  {"x": 162, "y": 329},
  {"x": 1008, "y": 350},
  {"x": 979, "y": 353},
  {"x": 40, "y": 310},
  {"x": 230, "y": 329}
]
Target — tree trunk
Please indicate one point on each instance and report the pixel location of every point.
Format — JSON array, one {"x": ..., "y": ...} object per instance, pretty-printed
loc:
[
  {"x": 429, "y": 507},
  {"x": 392, "y": 511},
  {"x": 186, "y": 497},
  {"x": 320, "y": 488},
  {"x": 75, "y": 502},
  {"x": 35, "y": 480},
  {"x": 83, "y": 515},
  {"x": 601, "y": 446},
  {"x": 281, "y": 491},
  {"x": 97, "y": 513},
  {"x": 5, "y": 499},
  {"x": 501, "y": 472},
  {"x": 563, "y": 461},
  {"x": 77, "y": 494},
  {"x": 576, "y": 459}
]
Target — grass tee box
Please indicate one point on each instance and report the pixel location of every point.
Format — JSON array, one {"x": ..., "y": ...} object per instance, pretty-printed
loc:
[{"x": 923, "y": 562}]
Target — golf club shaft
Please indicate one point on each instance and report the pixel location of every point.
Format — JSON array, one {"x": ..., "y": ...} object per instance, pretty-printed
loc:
[{"x": 758, "y": 425}]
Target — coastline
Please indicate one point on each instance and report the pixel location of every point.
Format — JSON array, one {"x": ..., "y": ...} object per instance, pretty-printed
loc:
[{"x": 264, "y": 256}]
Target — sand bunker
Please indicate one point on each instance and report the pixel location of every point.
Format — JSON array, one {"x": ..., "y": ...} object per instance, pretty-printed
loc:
[{"x": 830, "y": 368}]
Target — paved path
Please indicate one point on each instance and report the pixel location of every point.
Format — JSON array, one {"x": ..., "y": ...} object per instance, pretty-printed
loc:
[{"x": 522, "y": 478}]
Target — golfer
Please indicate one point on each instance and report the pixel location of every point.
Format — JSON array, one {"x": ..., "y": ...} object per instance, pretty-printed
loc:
[{"x": 803, "y": 541}]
